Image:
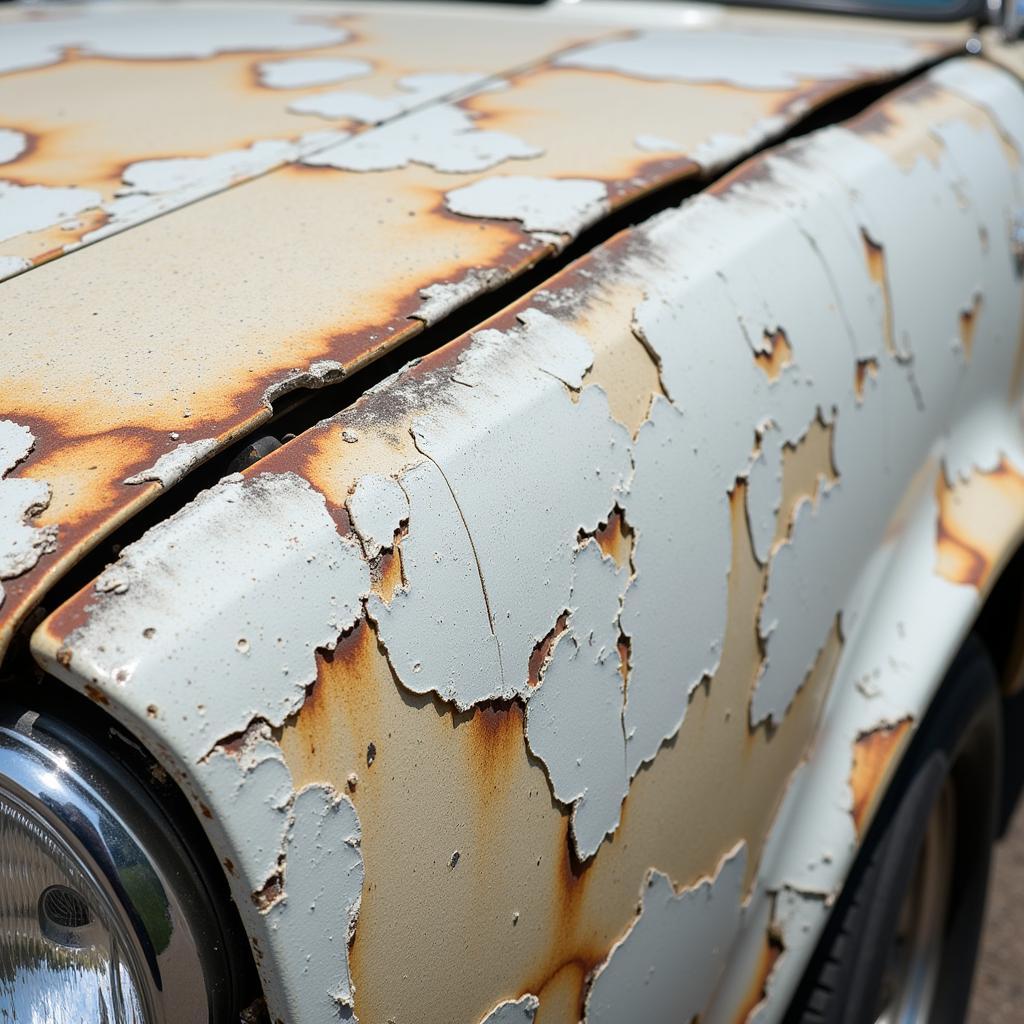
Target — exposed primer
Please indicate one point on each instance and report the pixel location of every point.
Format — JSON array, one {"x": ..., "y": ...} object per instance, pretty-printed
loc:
[
  {"x": 303, "y": 72},
  {"x": 377, "y": 507},
  {"x": 317, "y": 375},
  {"x": 519, "y": 1011},
  {"x": 671, "y": 958},
  {"x": 21, "y": 498},
  {"x": 156, "y": 33},
  {"x": 442, "y": 299},
  {"x": 443, "y": 137},
  {"x": 745, "y": 60},
  {"x": 258, "y": 645},
  {"x": 25, "y": 208},
  {"x": 414, "y": 91},
  {"x": 546, "y": 207},
  {"x": 172, "y": 466},
  {"x": 12, "y": 145}
]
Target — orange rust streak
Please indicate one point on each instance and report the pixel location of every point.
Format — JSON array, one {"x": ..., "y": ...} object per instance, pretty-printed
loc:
[
  {"x": 875, "y": 255},
  {"x": 757, "y": 990},
  {"x": 615, "y": 538},
  {"x": 865, "y": 368},
  {"x": 778, "y": 356},
  {"x": 968, "y": 325},
  {"x": 978, "y": 521},
  {"x": 873, "y": 754}
]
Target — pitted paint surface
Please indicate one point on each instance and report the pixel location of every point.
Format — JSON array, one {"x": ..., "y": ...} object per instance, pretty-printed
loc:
[
  {"x": 447, "y": 221},
  {"x": 717, "y": 619}
]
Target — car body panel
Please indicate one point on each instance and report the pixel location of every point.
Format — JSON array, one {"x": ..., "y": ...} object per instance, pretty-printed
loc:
[
  {"x": 131, "y": 361},
  {"x": 562, "y": 672}
]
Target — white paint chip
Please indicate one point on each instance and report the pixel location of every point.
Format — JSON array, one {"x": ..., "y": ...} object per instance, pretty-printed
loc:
[
  {"x": 747, "y": 60},
  {"x": 21, "y": 498},
  {"x": 671, "y": 958},
  {"x": 548, "y": 206},
  {"x": 157, "y": 33},
  {"x": 172, "y": 466},
  {"x": 377, "y": 508},
  {"x": 12, "y": 144},
  {"x": 442, "y": 137},
  {"x": 25, "y": 208},
  {"x": 414, "y": 91},
  {"x": 518, "y": 1011},
  {"x": 304, "y": 72}
]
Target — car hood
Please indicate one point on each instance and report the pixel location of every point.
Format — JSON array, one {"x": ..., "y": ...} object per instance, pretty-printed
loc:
[{"x": 251, "y": 198}]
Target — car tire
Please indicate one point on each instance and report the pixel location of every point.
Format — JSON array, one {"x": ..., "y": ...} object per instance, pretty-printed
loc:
[{"x": 903, "y": 940}]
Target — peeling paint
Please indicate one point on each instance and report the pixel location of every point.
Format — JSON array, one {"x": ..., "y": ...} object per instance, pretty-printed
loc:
[
  {"x": 378, "y": 507},
  {"x": 442, "y": 137},
  {"x": 21, "y": 543},
  {"x": 670, "y": 959},
  {"x": 414, "y": 91},
  {"x": 175, "y": 464},
  {"x": 441, "y": 300},
  {"x": 25, "y": 208},
  {"x": 746, "y": 60},
  {"x": 545, "y": 207},
  {"x": 518, "y": 1011},
  {"x": 12, "y": 145},
  {"x": 155, "y": 33},
  {"x": 303, "y": 72}
]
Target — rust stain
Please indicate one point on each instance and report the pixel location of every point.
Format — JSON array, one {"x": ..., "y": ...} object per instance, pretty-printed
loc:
[
  {"x": 542, "y": 652},
  {"x": 878, "y": 272},
  {"x": 615, "y": 538},
  {"x": 977, "y": 521},
  {"x": 778, "y": 356},
  {"x": 96, "y": 694},
  {"x": 865, "y": 368},
  {"x": 873, "y": 754},
  {"x": 968, "y": 324},
  {"x": 770, "y": 952}
]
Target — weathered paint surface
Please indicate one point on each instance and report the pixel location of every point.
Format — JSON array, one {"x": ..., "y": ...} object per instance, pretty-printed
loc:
[
  {"x": 558, "y": 644},
  {"x": 331, "y": 137}
]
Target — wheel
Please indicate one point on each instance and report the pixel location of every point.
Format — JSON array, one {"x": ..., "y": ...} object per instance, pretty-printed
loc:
[{"x": 901, "y": 945}]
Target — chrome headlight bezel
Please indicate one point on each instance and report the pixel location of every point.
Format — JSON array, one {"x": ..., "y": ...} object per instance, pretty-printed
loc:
[{"x": 87, "y": 803}]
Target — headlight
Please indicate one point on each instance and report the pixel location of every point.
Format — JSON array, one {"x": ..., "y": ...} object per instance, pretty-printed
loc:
[{"x": 103, "y": 916}]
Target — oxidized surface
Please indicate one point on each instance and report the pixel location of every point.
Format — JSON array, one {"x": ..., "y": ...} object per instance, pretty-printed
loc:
[
  {"x": 383, "y": 183},
  {"x": 547, "y": 609}
]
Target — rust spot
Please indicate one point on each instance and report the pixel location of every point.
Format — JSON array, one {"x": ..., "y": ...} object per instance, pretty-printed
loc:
[
  {"x": 542, "y": 652},
  {"x": 387, "y": 574},
  {"x": 979, "y": 521},
  {"x": 758, "y": 987},
  {"x": 64, "y": 656},
  {"x": 371, "y": 753},
  {"x": 229, "y": 865},
  {"x": 615, "y": 538},
  {"x": 874, "y": 253},
  {"x": 872, "y": 755},
  {"x": 778, "y": 356},
  {"x": 968, "y": 324},
  {"x": 865, "y": 368},
  {"x": 625, "y": 646},
  {"x": 270, "y": 893},
  {"x": 152, "y": 711},
  {"x": 751, "y": 172},
  {"x": 96, "y": 694},
  {"x": 205, "y": 811}
]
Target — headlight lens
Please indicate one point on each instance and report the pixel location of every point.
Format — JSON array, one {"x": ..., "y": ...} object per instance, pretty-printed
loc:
[
  {"x": 63, "y": 955},
  {"x": 104, "y": 918}
]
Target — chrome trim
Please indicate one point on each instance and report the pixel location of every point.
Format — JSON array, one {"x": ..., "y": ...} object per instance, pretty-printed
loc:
[{"x": 106, "y": 825}]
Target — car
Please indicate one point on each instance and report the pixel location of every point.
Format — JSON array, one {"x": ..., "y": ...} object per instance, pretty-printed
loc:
[{"x": 508, "y": 514}]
